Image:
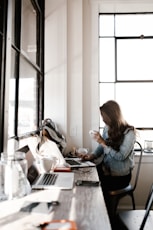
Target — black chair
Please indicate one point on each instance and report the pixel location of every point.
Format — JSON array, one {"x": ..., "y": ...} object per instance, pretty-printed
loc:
[
  {"x": 137, "y": 219},
  {"x": 116, "y": 195}
]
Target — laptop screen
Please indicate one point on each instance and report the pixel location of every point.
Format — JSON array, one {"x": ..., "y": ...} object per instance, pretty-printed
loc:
[{"x": 32, "y": 172}]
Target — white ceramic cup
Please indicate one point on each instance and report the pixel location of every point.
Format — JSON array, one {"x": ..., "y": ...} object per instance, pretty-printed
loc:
[
  {"x": 92, "y": 133},
  {"x": 48, "y": 164}
]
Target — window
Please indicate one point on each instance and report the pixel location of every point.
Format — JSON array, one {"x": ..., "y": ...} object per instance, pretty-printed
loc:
[
  {"x": 27, "y": 71},
  {"x": 25, "y": 22},
  {"x": 125, "y": 66}
]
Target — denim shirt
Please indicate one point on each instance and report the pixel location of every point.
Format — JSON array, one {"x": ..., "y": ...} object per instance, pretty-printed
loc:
[{"x": 117, "y": 163}]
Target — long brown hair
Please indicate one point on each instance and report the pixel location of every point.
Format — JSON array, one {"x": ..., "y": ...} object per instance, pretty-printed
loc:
[{"x": 116, "y": 123}]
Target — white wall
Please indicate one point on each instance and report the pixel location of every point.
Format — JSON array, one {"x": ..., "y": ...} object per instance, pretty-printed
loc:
[
  {"x": 56, "y": 62},
  {"x": 71, "y": 72}
]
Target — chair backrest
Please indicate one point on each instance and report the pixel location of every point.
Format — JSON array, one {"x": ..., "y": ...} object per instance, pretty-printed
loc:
[
  {"x": 149, "y": 204},
  {"x": 139, "y": 164}
]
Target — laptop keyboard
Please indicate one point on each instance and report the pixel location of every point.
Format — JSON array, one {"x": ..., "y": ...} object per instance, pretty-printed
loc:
[
  {"x": 72, "y": 162},
  {"x": 48, "y": 179}
]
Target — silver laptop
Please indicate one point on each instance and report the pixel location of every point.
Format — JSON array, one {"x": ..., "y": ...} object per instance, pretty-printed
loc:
[
  {"x": 61, "y": 180},
  {"x": 78, "y": 163}
]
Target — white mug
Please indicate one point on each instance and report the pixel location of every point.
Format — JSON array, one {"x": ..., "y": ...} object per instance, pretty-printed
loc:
[
  {"x": 48, "y": 164},
  {"x": 92, "y": 133}
]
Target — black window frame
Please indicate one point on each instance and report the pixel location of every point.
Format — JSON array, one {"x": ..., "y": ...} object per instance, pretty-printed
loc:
[{"x": 39, "y": 6}]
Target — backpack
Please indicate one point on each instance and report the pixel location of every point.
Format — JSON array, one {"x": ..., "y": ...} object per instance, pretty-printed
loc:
[{"x": 54, "y": 134}]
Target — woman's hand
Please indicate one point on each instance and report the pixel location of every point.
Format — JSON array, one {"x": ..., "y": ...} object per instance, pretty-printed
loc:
[
  {"x": 99, "y": 139},
  {"x": 87, "y": 157}
]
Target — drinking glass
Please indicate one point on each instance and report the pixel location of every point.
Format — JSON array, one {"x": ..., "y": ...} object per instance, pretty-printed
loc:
[{"x": 148, "y": 146}]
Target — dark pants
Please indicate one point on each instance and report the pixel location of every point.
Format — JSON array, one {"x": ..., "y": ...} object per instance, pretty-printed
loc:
[
  {"x": 109, "y": 183},
  {"x": 112, "y": 182}
]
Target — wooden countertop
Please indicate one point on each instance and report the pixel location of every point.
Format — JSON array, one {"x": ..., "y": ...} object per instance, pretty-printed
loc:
[{"x": 85, "y": 205}]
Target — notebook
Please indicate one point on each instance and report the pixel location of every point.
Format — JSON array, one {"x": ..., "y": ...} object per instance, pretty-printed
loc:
[
  {"x": 78, "y": 163},
  {"x": 61, "y": 180}
]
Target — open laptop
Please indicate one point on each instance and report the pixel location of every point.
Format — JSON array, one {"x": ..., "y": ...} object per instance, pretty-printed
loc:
[
  {"x": 60, "y": 180},
  {"x": 78, "y": 163}
]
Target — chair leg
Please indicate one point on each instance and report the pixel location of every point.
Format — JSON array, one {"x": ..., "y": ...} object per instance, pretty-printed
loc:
[
  {"x": 133, "y": 201},
  {"x": 113, "y": 203}
]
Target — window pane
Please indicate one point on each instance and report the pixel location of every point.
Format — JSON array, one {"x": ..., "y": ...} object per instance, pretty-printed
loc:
[
  {"x": 135, "y": 101},
  {"x": 28, "y": 30},
  {"x": 106, "y": 25},
  {"x": 106, "y": 92},
  {"x": 107, "y": 59},
  {"x": 134, "y": 59},
  {"x": 27, "y": 98},
  {"x": 134, "y": 25}
]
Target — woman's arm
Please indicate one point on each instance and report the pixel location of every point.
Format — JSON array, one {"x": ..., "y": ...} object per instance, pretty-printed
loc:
[{"x": 125, "y": 148}]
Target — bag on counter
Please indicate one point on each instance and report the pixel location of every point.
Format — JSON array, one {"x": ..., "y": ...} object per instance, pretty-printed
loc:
[{"x": 54, "y": 134}]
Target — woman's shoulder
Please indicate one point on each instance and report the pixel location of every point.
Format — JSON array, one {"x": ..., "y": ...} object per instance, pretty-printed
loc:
[
  {"x": 105, "y": 128},
  {"x": 129, "y": 129},
  {"x": 130, "y": 134}
]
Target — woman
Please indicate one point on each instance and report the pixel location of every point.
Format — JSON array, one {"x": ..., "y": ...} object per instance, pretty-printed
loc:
[{"x": 116, "y": 146}]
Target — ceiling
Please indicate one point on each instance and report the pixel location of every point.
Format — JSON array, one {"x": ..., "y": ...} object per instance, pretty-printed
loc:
[{"x": 110, "y": 6}]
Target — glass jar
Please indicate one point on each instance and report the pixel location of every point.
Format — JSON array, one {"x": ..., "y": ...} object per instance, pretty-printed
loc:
[{"x": 14, "y": 183}]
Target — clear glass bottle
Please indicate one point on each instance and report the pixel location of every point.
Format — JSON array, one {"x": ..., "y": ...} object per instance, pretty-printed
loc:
[{"x": 15, "y": 181}]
